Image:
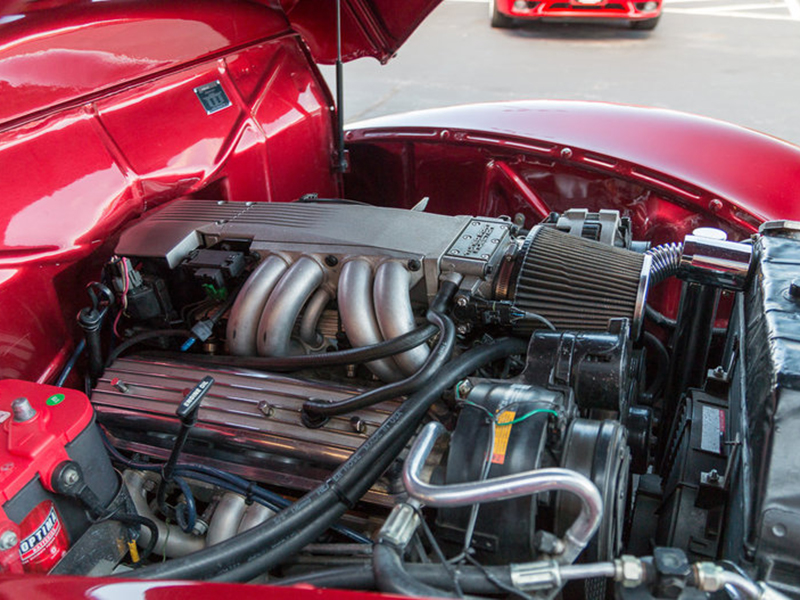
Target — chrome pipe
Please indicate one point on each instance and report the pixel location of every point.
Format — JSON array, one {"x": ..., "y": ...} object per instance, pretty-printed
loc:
[
  {"x": 308, "y": 322},
  {"x": 503, "y": 488},
  {"x": 254, "y": 515},
  {"x": 226, "y": 518},
  {"x": 358, "y": 315},
  {"x": 588, "y": 571},
  {"x": 394, "y": 314},
  {"x": 284, "y": 305},
  {"x": 172, "y": 540},
  {"x": 246, "y": 312}
]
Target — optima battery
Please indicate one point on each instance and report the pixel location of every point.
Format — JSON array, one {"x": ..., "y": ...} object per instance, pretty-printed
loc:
[{"x": 42, "y": 429}]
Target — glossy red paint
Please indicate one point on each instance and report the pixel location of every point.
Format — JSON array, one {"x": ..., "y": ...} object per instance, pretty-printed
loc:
[
  {"x": 78, "y": 164},
  {"x": 370, "y": 28},
  {"x": 706, "y": 170},
  {"x": 629, "y": 10},
  {"x": 49, "y": 57},
  {"x": 58, "y": 588}
]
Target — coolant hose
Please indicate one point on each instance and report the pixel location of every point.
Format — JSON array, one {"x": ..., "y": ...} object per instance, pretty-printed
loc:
[
  {"x": 391, "y": 575},
  {"x": 253, "y": 552},
  {"x": 324, "y": 359},
  {"x": 483, "y": 581},
  {"x": 316, "y": 412},
  {"x": 143, "y": 337},
  {"x": 471, "y": 579}
]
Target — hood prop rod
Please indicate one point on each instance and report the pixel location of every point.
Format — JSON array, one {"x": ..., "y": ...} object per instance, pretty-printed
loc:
[{"x": 342, "y": 163}]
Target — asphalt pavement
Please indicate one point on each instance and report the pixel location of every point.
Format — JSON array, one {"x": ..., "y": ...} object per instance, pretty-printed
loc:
[{"x": 735, "y": 60}]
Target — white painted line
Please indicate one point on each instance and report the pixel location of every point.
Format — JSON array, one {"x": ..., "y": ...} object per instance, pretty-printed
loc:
[
  {"x": 762, "y": 16},
  {"x": 735, "y": 7},
  {"x": 794, "y": 8},
  {"x": 671, "y": 2}
]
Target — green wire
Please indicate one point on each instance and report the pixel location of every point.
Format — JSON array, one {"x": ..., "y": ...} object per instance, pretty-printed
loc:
[
  {"x": 514, "y": 421},
  {"x": 530, "y": 414}
]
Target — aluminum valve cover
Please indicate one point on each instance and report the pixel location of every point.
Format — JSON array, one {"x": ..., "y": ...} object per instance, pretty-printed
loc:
[{"x": 249, "y": 422}]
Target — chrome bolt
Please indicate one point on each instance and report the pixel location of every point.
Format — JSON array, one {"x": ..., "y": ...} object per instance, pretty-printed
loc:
[
  {"x": 266, "y": 408},
  {"x": 464, "y": 388},
  {"x": 120, "y": 385},
  {"x": 462, "y": 301},
  {"x": 358, "y": 425}
]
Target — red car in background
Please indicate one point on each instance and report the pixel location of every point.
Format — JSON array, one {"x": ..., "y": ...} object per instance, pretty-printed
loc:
[{"x": 640, "y": 15}]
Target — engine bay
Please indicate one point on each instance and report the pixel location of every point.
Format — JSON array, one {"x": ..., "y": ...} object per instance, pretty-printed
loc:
[{"x": 352, "y": 396}]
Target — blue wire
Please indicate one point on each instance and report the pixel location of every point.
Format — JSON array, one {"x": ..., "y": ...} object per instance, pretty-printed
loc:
[
  {"x": 227, "y": 481},
  {"x": 71, "y": 363},
  {"x": 190, "y": 508}
]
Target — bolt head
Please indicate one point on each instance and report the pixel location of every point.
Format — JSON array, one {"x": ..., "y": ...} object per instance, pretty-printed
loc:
[
  {"x": 8, "y": 539},
  {"x": 70, "y": 476},
  {"x": 358, "y": 425}
]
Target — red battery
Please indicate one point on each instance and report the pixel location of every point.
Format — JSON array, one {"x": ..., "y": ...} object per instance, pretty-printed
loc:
[{"x": 41, "y": 426}]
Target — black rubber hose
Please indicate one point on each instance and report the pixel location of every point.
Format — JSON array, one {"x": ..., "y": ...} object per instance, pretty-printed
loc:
[
  {"x": 300, "y": 538},
  {"x": 391, "y": 575},
  {"x": 143, "y": 337},
  {"x": 662, "y": 362},
  {"x": 384, "y": 453},
  {"x": 317, "y": 412},
  {"x": 664, "y": 321},
  {"x": 251, "y": 553},
  {"x": 352, "y": 356},
  {"x": 471, "y": 579}
]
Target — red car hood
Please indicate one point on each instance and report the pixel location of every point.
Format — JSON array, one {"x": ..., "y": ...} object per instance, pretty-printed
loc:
[{"x": 375, "y": 28}]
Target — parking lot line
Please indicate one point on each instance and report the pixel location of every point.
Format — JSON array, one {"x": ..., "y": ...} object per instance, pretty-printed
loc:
[
  {"x": 794, "y": 8},
  {"x": 708, "y": 8}
]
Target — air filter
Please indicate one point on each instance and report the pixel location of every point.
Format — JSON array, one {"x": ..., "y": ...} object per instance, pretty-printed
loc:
[{"x": 578, "y": 284}]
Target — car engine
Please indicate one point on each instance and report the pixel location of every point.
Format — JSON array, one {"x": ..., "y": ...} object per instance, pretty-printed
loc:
[{"x": 339, "y": 394}]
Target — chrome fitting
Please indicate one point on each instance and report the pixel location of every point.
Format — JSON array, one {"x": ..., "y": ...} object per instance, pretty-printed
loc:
[
  {"x": 530, "y": 577},
  {"x": 709, "y": 260},
  {"x": 401, "y": 525},
  {"x": 630, "y": 571},
  {"x": 709, "y": 577}
]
